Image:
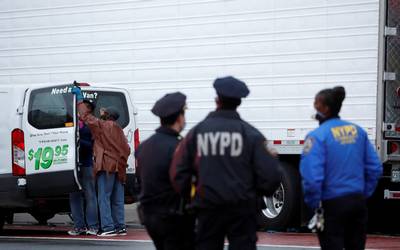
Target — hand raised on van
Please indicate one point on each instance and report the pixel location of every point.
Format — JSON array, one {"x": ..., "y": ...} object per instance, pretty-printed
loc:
[{"x": 77, "y": 91}]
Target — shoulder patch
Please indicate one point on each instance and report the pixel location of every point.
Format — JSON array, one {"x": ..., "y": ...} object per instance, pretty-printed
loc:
[{"x": 308, "y": 144}]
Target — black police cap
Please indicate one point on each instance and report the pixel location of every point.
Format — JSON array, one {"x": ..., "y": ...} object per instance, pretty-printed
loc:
[
  {"x": 169, "y": 104},
  {"x": 231, "y": 87}
]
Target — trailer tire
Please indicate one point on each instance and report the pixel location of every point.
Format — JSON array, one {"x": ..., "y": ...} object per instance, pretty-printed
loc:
[{"x": 283, "y": 208}]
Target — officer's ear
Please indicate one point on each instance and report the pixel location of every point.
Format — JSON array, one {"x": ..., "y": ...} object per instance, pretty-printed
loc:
[
  {"x": 181, "y": 121},
  {"x": 182, "y": 117},
  {"x": 218, "y": 102}
]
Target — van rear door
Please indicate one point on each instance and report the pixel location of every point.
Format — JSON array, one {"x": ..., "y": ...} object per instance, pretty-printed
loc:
[{"x": 49, "y": 120}]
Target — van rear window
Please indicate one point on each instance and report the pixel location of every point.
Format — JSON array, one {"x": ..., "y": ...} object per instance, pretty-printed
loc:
[
  {"x": 53, "y": 107},
  {"x": 105, "y": 99},
  {"x": 50, "y": 108}
]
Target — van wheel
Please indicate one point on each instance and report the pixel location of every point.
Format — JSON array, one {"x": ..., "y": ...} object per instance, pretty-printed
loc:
[
  {"x": 283, "y": 207},
  {"x": 9, "y": 218},
  {"x": 42, "y": 218},
  {"x": 2, "y": 220}
]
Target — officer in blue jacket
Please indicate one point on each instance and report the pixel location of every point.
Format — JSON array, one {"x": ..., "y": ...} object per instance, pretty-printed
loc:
[
  {"x": 169, "y": 226},
  {"x": 340, "y": 169},
  {"x": 231, "y": 165}
]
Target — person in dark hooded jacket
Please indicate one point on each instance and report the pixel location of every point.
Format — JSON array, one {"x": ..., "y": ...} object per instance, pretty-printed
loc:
[{"x": 84, "y": 203}]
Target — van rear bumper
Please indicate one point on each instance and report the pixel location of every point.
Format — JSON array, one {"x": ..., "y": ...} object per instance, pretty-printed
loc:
[{"x": 11, "y": 195}]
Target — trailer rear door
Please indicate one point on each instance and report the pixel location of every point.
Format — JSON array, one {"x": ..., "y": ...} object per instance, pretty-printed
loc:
[{"x": 392, "y": 69}]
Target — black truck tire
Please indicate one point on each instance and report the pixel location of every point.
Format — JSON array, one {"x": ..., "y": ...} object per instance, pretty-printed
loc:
[{"x": 283, "y": 208}]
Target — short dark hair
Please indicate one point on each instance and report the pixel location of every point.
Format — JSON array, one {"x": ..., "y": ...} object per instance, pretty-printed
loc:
[
  {"x": 229, "y": 102},
  {"x": 171, "y": 119},
  {"x": 90, "y": 105}
]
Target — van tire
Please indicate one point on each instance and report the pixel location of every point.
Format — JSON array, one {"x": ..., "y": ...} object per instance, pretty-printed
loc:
[
  {"x": 9, "y": 218},
  {"x": 42, "y": 218},
  {"x": 2, "y": 220},
  {"x": 290, "y": 208}
]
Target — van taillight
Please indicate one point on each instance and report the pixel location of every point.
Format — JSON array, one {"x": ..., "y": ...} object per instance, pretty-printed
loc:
[
  {"x": 136, "y": 139},
  {"x": 18, "y": 152},
  {"x": 136, "y": 142}
]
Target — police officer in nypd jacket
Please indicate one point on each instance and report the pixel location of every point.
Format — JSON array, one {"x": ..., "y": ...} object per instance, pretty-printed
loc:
[
  {"x": 169, "y": 226},
  {"x": 231, "y": 166},
  {"x": 340, "y": 169}
]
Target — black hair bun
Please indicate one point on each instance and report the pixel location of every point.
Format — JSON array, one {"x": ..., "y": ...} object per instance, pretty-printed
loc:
[{"x": 340, "y": 93}]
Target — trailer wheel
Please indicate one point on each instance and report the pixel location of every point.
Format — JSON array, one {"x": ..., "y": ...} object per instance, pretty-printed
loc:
[{"x": 283, "y": 207}]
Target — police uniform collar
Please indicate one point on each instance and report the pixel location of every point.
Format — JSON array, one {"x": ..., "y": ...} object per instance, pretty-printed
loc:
[
  {"x": 230, "y": 114},
  {"x": 167, "y": 130},
  {"x": 328, "y": 119}
]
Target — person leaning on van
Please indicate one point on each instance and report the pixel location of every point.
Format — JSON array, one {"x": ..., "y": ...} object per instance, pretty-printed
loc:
[
  {"x": 169, "y": 226},
  {"x": 340, "y": 169},
  {"x": 232, "y": 166},
  {"x": 84, "y": 203},
  {"x": 110, "y": 155}
]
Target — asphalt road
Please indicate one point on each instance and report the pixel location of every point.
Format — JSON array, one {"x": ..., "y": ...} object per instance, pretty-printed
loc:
[
  {"x": 131, "y": 218},
  {"x": 26, "y": 234},
  {"x": 22, "y": 244},
  {"x": 26, "y": 237},
  {"x": 42, "y": 244}
]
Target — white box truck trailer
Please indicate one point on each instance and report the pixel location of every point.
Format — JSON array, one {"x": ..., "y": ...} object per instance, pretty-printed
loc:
[
  {"x": 39, "y": 156},
  {"x": 286, "y": 51}
]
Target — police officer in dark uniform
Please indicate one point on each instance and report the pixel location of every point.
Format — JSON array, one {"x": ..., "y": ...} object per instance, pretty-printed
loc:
[
  {"x": 231, "y": 165},
  {"x": 169, "y": 226},
  {"x": 340, "y": 169}
]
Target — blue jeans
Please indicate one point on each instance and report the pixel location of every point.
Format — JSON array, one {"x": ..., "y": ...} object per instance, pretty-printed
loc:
[
  {"x": 77, "y": 201},
  {"x": 111, "y": 201}
]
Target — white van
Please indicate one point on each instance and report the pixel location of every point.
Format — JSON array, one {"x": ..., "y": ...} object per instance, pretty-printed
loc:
[{"x": 38, "y": 148}]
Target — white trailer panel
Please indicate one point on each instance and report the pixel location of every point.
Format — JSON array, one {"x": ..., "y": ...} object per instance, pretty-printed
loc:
[{"x": 286, "y": 51}]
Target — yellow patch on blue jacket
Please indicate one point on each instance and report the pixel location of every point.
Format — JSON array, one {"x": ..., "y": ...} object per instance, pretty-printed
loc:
[{"x": 345, "y": 134}]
